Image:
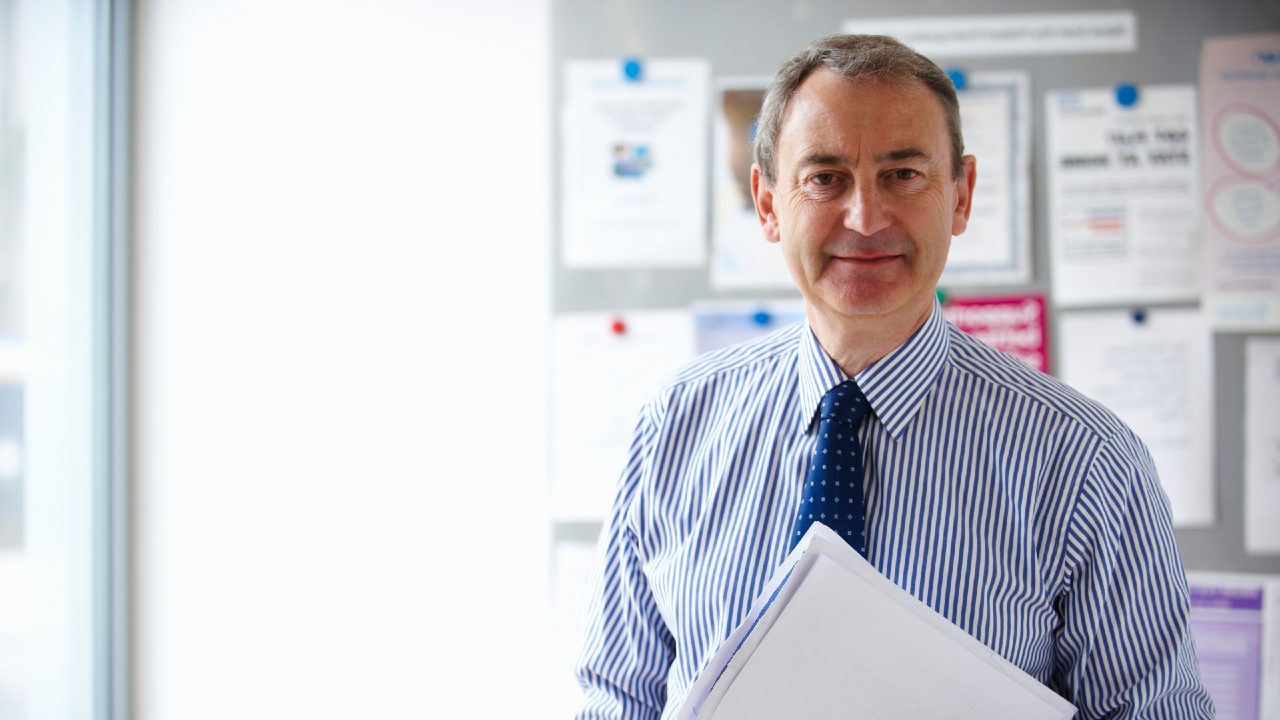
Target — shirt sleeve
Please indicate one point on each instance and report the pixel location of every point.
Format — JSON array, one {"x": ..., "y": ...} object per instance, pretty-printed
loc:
[
  {"x": 627, "y": 649},
  {"x": 1124, "y": 648}
]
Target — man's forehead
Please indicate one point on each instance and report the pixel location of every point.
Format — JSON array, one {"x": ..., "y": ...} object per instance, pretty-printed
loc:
[
  {"x": 897, "y": 118},
  {"x": 825, "y": 85}
]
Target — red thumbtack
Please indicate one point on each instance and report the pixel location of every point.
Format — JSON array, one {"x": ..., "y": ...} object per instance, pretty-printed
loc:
[{"x": 619, "y": 327}]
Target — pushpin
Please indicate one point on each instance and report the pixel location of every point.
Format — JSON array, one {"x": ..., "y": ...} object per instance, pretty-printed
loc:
[
  {"x": 1126, "y": 95},
  {"x": 941, "y": 295},
  {"x": 618, "y": 326},
  {"x": 761, "y": 317},
  {"x": 1139, "y": 316},
  {"x": 958, "y": 78},
  {"x": 632, "y": 69}
]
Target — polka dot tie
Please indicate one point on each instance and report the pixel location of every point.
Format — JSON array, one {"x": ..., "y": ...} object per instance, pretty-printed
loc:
[{"x": 833, "y": 488}]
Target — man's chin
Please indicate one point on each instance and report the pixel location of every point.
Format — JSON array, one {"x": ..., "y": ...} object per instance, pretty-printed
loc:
[{"x": 870, "y": 303}]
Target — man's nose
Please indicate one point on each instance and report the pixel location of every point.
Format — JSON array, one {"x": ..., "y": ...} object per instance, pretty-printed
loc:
[{"x": 865, "y": 212}]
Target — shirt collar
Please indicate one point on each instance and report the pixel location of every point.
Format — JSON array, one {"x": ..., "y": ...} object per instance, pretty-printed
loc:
[{"x": 895, "y": 385}]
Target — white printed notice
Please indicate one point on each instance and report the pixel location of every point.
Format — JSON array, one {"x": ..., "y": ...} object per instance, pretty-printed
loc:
[
  {"x": 1154, "y": 370},
  {"x": 633, "y": 163},
  {"x": 1240, "y": 104},
  {"x": 1235, "y": 620},
  {"x": 1123, "y": 210},
  {"x": 741, "y": 257},
  {"x": 996, "y": 247},
  {"x": 1262, "y": 445},
  {"x": 604, "y": 366}
]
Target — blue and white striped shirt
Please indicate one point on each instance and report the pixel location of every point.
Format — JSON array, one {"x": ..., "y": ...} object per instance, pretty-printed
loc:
[{"x": 1025, "y": 513}]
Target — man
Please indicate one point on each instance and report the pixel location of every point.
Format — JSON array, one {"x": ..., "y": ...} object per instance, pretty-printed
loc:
[{"x": 1023, "y": 512}]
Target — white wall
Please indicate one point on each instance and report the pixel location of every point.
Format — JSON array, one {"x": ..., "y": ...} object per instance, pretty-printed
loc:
[{"x": 342, "y": 262}]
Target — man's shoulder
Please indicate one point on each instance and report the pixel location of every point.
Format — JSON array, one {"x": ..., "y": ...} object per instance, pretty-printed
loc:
[
  {"x": 736, "y": 367},
  {"x": 997, "y": 371}
]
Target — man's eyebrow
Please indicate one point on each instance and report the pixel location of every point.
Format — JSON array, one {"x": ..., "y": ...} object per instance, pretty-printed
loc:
[
  {"x": 910, "y": 153},
  {"x": 821, "y": 158},
  {"x": 825, "y": 158}
]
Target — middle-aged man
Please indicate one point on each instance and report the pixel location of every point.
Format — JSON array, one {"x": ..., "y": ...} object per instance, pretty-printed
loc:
[{"x": 1020, "y": 510}]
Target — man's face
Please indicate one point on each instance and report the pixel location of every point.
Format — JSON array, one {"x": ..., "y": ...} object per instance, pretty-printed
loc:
[{"x": 864, "y": 202}]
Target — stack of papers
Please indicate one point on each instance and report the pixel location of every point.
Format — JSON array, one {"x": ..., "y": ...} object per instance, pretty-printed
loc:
[{"x": 832, "y": 637}]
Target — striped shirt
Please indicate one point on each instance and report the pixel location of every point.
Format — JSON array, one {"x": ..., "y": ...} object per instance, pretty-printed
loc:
[{"x": 1025, "y": 513}]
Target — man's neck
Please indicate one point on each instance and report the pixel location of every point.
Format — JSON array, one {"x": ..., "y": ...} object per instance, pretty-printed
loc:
[{"x": 856, "y": 342}]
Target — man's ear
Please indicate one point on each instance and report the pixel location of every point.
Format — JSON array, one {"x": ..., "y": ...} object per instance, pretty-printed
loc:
[
  {"x": 964, "y": 195},
  {"x": 763, "y": 195}
]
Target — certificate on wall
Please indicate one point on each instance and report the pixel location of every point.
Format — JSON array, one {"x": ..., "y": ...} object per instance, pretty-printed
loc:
[
  {"x": 633, "y": 163},
  {"x": 741, "y": 257},
  {"x": 1123, "y": 195},
  {"x": 1240, "y": 104},
  {"x": 996, "y": 247},
  {"x": 1155, "y": 372}
]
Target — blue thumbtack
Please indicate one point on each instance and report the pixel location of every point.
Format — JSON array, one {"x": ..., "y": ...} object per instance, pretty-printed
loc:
[
  {"x": 958, "y": 78},
  {"x": 1139, "y": 316},
  {"x": 1126, "y": 95},
  {"x": 632, "y": 69},
  {"x": 761, "y": 317}
]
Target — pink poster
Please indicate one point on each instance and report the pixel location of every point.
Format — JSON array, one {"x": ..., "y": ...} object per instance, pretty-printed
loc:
[
  {"x": 1240, "y": 146},
  {"x": 1015, "y": 324}
]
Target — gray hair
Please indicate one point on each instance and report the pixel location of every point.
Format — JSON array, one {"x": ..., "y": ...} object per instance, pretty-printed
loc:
[{"x": 857, "y": 57}]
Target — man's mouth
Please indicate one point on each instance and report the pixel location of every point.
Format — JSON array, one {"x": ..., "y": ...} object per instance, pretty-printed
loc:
[{"x": 867, "y": 260}]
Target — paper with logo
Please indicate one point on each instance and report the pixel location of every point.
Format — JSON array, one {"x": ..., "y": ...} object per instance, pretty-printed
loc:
[
  {"x": 1240, "y": 104},
  {"x": 802, "y": 654},
  {"x": 633, "y": 163}
]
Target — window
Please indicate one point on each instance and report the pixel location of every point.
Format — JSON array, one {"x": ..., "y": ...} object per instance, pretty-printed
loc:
[{"x": 57, "y": 221}]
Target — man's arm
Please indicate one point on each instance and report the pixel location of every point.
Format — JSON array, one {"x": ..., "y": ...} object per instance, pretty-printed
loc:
[
  {"x": 627, "y": 649},
  {"x": 1125, "y": 649}
]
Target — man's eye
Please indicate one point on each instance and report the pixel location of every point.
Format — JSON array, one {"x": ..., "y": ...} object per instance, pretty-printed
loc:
[
  {"x": 905, "y": 174},
  {"x": 824, "y": 179}
]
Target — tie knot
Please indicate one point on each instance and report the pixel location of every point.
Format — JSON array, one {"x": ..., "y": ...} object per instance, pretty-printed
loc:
[{"x": 845, "y": 402}]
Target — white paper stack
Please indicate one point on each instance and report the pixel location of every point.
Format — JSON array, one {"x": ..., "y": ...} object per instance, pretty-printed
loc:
[{"x": 832, "y": 637}]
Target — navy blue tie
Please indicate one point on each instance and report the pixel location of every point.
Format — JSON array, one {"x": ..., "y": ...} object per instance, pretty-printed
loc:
[{"x": 833, "y": 488}]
